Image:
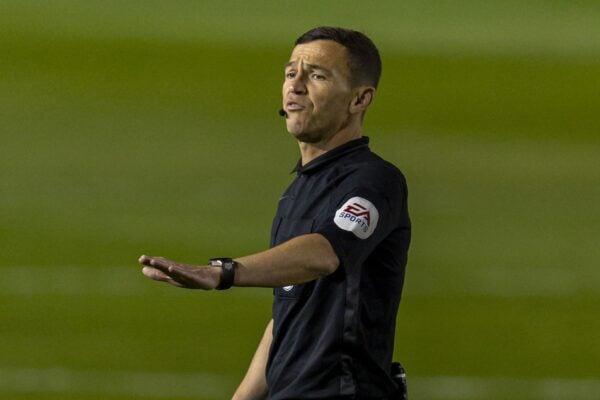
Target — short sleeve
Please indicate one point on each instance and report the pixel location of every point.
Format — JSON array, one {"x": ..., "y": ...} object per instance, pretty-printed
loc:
[{"x": 364, "y": 209}]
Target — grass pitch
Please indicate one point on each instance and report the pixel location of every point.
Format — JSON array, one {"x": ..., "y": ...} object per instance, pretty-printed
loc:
[{"x": 147, "y": 127}]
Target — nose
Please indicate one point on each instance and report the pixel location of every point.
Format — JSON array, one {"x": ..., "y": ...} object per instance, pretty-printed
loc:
[{"x": 297, "y": 85}]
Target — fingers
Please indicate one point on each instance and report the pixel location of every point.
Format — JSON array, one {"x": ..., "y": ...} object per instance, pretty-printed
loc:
[
  {"x": 181, "y": 275},
  {"x": 161, "y": 269},
  {"x": 144, "y": 260},
  {"x": 159, "y": 263},
  {"x": 155, "y": 274},
  {"x": 158, "y": 275}
]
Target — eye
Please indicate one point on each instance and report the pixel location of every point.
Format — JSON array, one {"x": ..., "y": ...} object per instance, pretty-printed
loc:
[
  {"x": 290, "y": 74},
  {"x": 318, "y": 77}
]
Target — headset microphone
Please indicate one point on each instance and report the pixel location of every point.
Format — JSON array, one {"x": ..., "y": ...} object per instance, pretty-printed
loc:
[{"x": 282, "y": 113}]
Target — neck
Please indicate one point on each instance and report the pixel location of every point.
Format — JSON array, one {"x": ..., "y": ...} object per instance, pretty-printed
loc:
[{"x": 310, "y": 151}]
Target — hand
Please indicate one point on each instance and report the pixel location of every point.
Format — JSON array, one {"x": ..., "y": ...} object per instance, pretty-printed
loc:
[{"x": 180, "y": 275}]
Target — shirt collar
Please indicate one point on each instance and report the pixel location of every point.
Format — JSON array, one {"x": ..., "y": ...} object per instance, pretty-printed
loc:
[{"x": 331, "y": 155}]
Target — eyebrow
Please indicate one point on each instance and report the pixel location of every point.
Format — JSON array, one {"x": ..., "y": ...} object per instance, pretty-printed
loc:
[{"x": 311, "y": 66}]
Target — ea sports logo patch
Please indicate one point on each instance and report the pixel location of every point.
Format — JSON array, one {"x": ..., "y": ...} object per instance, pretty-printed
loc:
[{"x": 358, "y": 216}]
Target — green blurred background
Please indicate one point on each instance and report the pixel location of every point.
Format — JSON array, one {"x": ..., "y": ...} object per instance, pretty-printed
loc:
[{"x": 130, "y": 127}]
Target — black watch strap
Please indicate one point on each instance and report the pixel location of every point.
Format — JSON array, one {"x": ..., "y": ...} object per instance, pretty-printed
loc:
[{"x": 227, "y": 271}]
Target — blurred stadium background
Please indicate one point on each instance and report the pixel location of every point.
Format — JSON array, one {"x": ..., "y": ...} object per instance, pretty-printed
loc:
[{"x": 130, "y": 127}]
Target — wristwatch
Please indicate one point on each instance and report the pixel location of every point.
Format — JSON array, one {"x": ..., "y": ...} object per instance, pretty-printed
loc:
[{"x": 228, "y": 267}]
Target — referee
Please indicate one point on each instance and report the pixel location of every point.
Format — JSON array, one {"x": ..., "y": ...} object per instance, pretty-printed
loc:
[{"x": 339, "y": 240}]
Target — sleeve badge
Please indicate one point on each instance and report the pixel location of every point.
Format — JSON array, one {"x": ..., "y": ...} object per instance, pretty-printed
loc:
[{"x": 358, "y": 216}]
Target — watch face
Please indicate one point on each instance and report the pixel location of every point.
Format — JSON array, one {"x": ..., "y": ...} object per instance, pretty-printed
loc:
[
  {"x": 227, "y": 271},
  {"x": 217, "y": 262}
]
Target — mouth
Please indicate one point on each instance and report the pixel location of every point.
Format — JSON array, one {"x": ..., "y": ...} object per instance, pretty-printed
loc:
[{"x": 292, "y": 106}]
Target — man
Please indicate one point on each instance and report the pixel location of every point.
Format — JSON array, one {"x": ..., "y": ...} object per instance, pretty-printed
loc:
[{"x": 339, "y": 240}]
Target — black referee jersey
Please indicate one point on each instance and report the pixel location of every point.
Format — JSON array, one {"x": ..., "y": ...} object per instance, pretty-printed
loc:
[{"x": 333, "y": 337}]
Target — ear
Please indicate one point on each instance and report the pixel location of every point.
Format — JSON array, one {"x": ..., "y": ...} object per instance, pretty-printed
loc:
[{"x": 362, "y": 99}]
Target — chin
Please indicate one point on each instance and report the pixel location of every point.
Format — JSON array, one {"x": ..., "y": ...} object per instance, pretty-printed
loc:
[
  {"x": 294, "y": 127},
  {"x": 302, "y": 133},
  {"x": 306, "y": 137}
]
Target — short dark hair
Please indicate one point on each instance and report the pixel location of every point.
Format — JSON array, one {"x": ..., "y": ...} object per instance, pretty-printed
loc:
[{"x": 364, "y": 60}]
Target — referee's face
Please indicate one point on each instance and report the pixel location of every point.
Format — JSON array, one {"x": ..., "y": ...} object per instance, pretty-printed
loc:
[{"x": 316, "y": 91}]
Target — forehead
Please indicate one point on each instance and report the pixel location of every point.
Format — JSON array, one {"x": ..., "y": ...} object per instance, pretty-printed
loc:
[{"x": 326, "y": 53}]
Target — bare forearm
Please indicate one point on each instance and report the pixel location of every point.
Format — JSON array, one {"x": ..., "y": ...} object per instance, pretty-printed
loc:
[
  {"x": 301, "y": 259},
  {"x": 254, "y": 385},
  {"x": 298, "y": 260}
]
